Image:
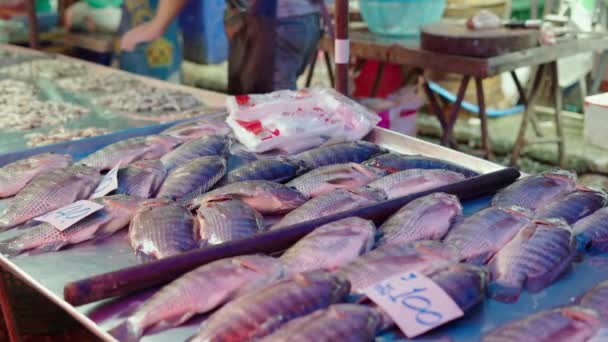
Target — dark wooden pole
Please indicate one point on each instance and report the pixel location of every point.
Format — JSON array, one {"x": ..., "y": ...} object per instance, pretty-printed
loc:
[
  {"x": 342, "y": 45},
  {"x": 32, "y": 23}
]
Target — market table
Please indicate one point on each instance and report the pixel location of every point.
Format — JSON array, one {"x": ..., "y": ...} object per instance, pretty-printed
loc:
[{"x": 408, "y": 52}]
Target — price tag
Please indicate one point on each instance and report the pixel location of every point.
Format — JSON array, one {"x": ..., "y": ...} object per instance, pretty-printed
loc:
[
  {"x": 108, "y": 183},
  {"x": 65, "y": 217},
  {"x": 414, "y": 302}
]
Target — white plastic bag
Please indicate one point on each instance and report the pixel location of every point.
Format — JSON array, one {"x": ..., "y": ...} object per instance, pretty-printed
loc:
[{"x": 293, "y": 121}]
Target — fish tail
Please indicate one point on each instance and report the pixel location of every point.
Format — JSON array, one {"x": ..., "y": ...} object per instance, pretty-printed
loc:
[
  {"x": 9, "y": 249},
  {"x": 125, "y": 332},
  {"x": 504, "y": 292}
]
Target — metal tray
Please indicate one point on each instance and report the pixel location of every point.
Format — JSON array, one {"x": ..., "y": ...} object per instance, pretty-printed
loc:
[{"x": 48, "y": 273}]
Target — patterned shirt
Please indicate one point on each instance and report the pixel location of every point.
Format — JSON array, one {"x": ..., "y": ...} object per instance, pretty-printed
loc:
[{"x": 294, "y": 8}]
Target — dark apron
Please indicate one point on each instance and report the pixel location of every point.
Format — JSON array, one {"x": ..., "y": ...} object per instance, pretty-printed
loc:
[{"x": 251, "y": 29}]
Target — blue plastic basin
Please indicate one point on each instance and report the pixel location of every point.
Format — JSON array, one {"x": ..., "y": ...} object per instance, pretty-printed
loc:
[{"x": 400, "y": 17}]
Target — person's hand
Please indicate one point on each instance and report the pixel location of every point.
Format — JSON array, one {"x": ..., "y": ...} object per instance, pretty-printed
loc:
[{"x": 143, "y": 33}]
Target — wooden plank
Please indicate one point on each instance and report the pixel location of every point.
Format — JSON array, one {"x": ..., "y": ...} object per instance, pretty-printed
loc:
[{"x": 100, "y": 43}]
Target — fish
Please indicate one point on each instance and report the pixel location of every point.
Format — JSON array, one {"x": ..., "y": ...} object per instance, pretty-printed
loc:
[
  {"x": 338, "y": 322},
  {"x": 574, "y": 206},
  {"x": 161, "y": 228},
  {"x": 219, "y": 281},
  {"x": 16, "y": 175},
  {"x": 225, "y": 221},
  {"x": 129, "y": 150},
  {"x": 426, "y": 218},
  {"x": 567, "y": 324},
  {"x": 337, "y": 201},
  {"x": 212, "y": 145},
  {"x": 193, "y": 178},
  {"x": 383, "y": 262},
  {"x": 394, "y": 162},
  {"x": 330, "y": 246},
  {"x": 337, "y": 176},
  {"x": 411, "y": 181},
  {"x": 191, "y": 130},
  {"x": 265, "y": 197},
  {"x": 258, "y": 314},
  {"x": 592, "y": 232},
  {"x": 536, "y": 191},
  {"x": 464, "y": 283},
  {"x": 50, "y": 191},
  {"x": 141, "y": 178},
  {"x": 345, "y": 152},
  {"x": 479, "y": 236},
  {"x": 533, "y": 260},
  {"x": 597, "y": 299},
  {"x": 117, "y": 212},
  {"x": 279, "y": 170}
]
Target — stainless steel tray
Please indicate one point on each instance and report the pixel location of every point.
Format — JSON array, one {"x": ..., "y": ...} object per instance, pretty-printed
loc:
[{"x": 48, "y": 273}]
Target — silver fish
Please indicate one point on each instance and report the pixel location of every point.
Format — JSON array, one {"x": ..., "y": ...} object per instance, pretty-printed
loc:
[
  {"x": 568, "y": 324},
  {"x": 190, "y": 130},
  {"x": 479, "y": 236},
  {"x": 48, "y": 192},
  {"x": 141, "y": 178},
  {"x": 225, "y": 221},
  {"x": 534, "y": 259},
  {"x": 16, "y": 175},
  {"x": 265, "y": 197},
  {"x": 338, "y": 176},
  {"x": 193, "y": 178},
  {"x": 161, "y": 228},
  {"x": 597, "y": 299},
  {"x": 574, "y": 206},
  {"x": 383, "y": 262},
  {"x": 200, "y": 291},
  {"x": 347, "y": 152},
  {"x": 258, "y": 314},
  {"x": 408, "y": 182},
  {"x": 339, "y": 322},
  {"x": 426, "y": 218},
  {"x": 592, "y": 232},
  {"x": 330, "y": 246},
  {"x": 127, "y": 151},
  {"x": 212, "y": 145},
  {"x": 536, "y": 191},
  {"x": 116, "y": 214},
  {"x": 276, "y": 169},
  {"x": 393, "y": 162},
  {"x": 332, "y": 203}
]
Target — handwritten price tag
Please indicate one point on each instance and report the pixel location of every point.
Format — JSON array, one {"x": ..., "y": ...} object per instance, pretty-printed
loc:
[
  {"x": 64, "y": 218},
  {"x": 108, "y": 183},
  {"x": 414, "y": 302}
]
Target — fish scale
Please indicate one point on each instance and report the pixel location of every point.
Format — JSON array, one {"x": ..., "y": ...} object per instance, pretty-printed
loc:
[
  {"x": 334, "y": 202},
  {"x": 355, "y": 152},
  {"x": 141, "y": 178},
  {"x": 479, "y": 236},
  {"x": 536, "y": 191},
  {"x": 411, "y": 181},
  {"x": 592, "y": 232},
  {"x": 339, "y": 322},
  {"x": 539, "y": 254},
  {"x": 426, "y": 218},
  {"x": 16, "y": 175},
  {"x": 193, "y": 178},
  {"x": 258, "y": 314},
  {"x": 220, "y": 281},
  {"x": 48, "y": 192},
  {"x": 573, "y": 206},
  {"x": 226, "y": 221},
  {"x": 161, "y": 228},
  {"x": 275, "y": 169},
  {"x": 212, "y": 145},
  {"x": 597, "y": 299}
]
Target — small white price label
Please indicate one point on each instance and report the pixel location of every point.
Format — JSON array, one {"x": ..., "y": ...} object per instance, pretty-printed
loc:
[
  {"x": 414, "y": 302},
  {"x": 108, "y": 183},
  {"x": 64, "y": 218}
]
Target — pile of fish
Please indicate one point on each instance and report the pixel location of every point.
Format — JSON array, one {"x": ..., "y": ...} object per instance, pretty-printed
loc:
[
  {"x": 144, "y": 99},
  {"x": 45, "y": 68}
]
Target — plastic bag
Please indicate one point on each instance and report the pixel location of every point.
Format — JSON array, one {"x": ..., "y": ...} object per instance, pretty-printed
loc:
[{"x": 293, "y": 121}]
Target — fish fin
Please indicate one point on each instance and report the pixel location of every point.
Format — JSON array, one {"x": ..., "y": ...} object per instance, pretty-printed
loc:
[
  {"x": 241, "y": 151},
  {"x": 27, "y": 225},
  {"x": 169, "y": 323},
  {"x": 126, "y": 332},
  {"x": 143, "y": 257},
  {"x": 505, "y": 292}
]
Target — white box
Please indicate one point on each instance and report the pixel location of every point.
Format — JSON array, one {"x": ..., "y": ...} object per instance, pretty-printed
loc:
[{"x": 596, "y": 120}]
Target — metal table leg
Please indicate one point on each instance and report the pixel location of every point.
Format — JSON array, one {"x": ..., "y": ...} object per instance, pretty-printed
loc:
[{"x": 481, "y": 103}]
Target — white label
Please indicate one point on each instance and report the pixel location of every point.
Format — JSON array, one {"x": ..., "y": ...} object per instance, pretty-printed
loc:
[
  {"x": 108, "y": 183},
  {"x": 414, "y": 302},
  {"x": 65, "y": 217},
  {"x": 342, "y": 51}
]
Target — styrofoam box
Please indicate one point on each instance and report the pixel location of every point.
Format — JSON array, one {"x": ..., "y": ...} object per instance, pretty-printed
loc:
[{"x": 596, "y": 120}]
